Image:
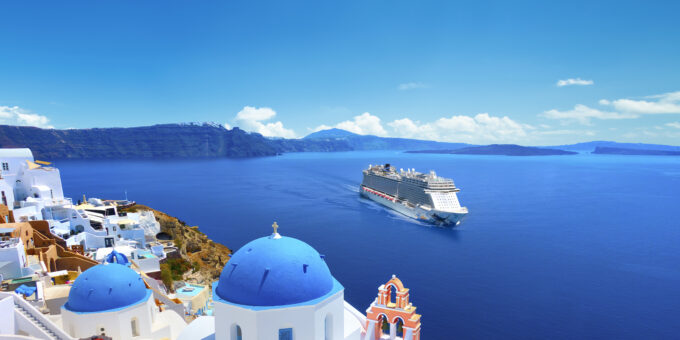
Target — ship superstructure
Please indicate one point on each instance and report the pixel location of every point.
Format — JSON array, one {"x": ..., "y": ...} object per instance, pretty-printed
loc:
[{"x": 422, "y": 196}]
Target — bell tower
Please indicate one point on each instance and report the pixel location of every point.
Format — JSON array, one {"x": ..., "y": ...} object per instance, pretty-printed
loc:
[{"x": 392, "y": 313}]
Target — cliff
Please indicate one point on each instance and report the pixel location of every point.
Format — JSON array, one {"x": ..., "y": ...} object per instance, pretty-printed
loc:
[
  {"x": 201, "y": 259},
  {"x": 157, "y": 141}
]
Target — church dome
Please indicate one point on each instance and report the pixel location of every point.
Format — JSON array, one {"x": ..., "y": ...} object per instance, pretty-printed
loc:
[
  {"x": 106, "y": 287},
  {"x": 116, "y": 257},
  {"x": 274, "y": 271}
]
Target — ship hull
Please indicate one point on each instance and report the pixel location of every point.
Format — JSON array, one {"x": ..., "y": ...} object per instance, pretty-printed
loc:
[{"x": 444, "y": 218}]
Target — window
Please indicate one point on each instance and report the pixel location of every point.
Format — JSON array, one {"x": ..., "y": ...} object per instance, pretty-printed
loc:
[
  {"x": 286, "y": 334},
  {"x": 236, "y": 333},
  {"x": 5, "y": 166},
  {"x": 135, "y": 327}
]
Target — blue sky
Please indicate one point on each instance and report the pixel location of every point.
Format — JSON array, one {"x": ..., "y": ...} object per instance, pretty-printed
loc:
[{"x": 482, "y": 72}]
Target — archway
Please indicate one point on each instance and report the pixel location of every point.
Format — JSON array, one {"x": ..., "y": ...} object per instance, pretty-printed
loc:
[
  {"x": 393, "y": 294},
  {"x": 383, "y": 325},
  {"x": 236, "y": 333},
  {"x": 399, "y": 327}
]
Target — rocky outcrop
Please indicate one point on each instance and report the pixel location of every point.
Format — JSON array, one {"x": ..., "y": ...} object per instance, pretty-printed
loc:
[{"x": 204, "y": 257}]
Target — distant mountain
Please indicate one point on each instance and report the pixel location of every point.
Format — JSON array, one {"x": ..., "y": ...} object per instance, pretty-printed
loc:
[
  {"x": 157, "y": 141},
  {"x": 331, "y": 134},
  {"x": 501, "y": 149},
  {"x": 591, "y": 146},
  {"x": 369, "y": 142},
  {"x": 620, "y": 151},
  {"x": 214, "y": 141}
]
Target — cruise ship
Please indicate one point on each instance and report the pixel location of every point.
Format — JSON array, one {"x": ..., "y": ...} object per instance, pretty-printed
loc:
[{"x": 425, "y": 197}]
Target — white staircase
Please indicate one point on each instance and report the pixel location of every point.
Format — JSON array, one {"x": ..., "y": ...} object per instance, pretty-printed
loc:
[
  {"x": 50, "y": 335},
  {"x": 29, "y": 320}
]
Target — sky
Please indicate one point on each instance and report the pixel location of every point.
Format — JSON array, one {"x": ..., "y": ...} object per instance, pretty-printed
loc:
[{"x": 531, "y": 73}]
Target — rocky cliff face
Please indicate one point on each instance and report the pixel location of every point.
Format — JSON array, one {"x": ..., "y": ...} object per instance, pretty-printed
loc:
[
  {"x": 204, "y": 258},
  {"x": 157, "y": 141}
]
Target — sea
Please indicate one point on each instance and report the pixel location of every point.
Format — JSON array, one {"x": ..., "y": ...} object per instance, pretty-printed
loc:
[{"x": 558, "y": 247}]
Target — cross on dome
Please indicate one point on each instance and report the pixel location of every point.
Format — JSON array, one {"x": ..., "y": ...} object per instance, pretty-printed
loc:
[{"x": 276, "y": 234}]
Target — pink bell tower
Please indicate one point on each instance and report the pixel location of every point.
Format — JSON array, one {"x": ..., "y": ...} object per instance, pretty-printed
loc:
[{"x": 391, "y": 314}]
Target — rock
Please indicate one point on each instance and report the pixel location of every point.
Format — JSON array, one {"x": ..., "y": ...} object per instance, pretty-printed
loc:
[{"x": 205, "y": 255}]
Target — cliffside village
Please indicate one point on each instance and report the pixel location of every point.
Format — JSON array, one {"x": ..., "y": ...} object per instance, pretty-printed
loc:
[
  {"x": 106, "y": 269},
  {"x": 47, "y": 240}
]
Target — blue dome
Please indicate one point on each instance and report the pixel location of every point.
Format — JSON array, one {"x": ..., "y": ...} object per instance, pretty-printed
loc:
[
  {"x": 116, "y": 257},
  {"x": 274, "y": 272},
  {"x": 106, "y": 287}
]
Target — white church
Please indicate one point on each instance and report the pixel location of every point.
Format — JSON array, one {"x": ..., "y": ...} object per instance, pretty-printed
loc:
[{"x": 278, "y": 288}]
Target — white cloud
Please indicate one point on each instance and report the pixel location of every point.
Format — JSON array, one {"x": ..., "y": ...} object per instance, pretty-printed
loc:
[
  {"x": 252, "y": 119},
  {"x": 659, "y": 104},
  {"x": 481, "y": 128},
  {"x": 14, "y": 115},
  {"x": 674, "y": 125},
  {"x": 574, "y": 81},
  {"x": 411, "y": 86},
  {"x": 363, "y": 124},
  {"x": 249, "y": 113},
  {"x": 583, "y": 114},
  {"x": 227, "y": 126}
]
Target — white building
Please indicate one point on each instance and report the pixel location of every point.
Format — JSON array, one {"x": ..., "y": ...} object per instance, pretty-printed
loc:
[
  {"x": 26, "y": 187},
  {"x": 34, "y": 192},
  {"x": 106, "y": 227},
  {"x": 13, "y": 262}
]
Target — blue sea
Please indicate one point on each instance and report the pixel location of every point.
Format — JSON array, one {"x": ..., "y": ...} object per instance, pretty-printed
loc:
[{"x": 560, "y": 247}]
